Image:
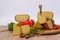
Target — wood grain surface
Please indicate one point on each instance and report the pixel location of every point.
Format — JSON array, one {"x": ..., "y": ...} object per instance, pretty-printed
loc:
[{"x": 8, "y": 36}]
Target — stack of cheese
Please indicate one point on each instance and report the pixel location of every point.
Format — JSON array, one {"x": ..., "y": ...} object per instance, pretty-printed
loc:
[
  {"x": 46, "y": 17},
  {"x": 18, "y": 28}
]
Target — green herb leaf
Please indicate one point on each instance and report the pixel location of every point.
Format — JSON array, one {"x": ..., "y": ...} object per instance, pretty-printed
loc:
[
  {"x": 33, "y": 30},
  {"x": 10, "y": 26}
]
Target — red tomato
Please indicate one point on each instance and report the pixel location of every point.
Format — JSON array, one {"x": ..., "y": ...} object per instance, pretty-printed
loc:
[
  {"x": 46, "y": 25},
  {"x": 31, "y": 22},
  {"x": 25, "y": 23},
  {"x": 55, "y": 26}
]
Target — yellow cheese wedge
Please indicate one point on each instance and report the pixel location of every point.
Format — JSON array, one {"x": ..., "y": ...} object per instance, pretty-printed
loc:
[
  {"x": 38, "y": 25},
  {"x": 16, "y": 30},
  {"x": 41, "y": 19},
  {"x": 50, "y": 24},
  {"x": 25, "y": 29}
]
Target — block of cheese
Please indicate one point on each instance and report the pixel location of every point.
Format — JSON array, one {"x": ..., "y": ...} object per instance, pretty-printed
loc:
[
  {"x": 48, "y": 15},
  {"x": 41, "y": 19},
  {"x": 25, "y": 29},
  {"x": 22, "y": 17},
  {"x": 16, "y": 30},
  {"x": 50, "y": 24}
]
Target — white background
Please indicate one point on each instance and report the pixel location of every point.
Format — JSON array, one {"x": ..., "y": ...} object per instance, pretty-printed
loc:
[{"x": 9, "y": 8}]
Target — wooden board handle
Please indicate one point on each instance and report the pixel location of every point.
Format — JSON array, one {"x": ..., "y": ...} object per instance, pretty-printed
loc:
[{"x": 40, "y": 7}]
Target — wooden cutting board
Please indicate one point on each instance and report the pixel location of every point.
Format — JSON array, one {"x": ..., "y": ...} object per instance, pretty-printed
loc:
[{"x": 8, "y": 36}]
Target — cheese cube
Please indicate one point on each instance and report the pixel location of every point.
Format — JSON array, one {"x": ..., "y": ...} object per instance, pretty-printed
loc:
[
  {"x": 16, "y": 30},
  {"x": 25, "y": 29}
]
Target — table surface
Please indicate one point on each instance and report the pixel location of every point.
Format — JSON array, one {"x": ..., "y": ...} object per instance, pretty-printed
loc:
[{"x": 8, "y": 36}]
